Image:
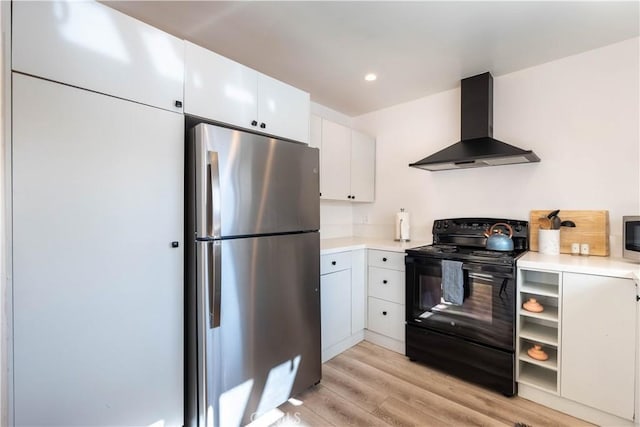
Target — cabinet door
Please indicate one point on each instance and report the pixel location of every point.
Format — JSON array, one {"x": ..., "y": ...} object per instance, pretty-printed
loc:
[
  {"x": 598, "y": 342},
  {"x": 89, "y": 45},
  {"x": 363, "y": 166},
  {"x": 335, "y": 166},
  {"x": 335, "y": 307},
  {"x": 283, "y": 110},
  {"x": 219, "y": 89},
  {"x": 98, "y": 288}
]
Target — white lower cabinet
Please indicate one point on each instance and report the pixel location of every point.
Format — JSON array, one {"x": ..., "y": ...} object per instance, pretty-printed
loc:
[
  {"x": 587, "y": 328},
  {"x": 342, "y": 301},
  {"x": 386, "y": 299},
  {"x": 598, "y": 342},
  {"x": 335, "y": 308}
]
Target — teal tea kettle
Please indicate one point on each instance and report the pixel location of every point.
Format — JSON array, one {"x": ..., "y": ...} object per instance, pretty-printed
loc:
[{"x": 496, "y": 240}]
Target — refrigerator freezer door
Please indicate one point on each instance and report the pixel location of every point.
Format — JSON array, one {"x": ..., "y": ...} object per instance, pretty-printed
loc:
[
  {"x": 248, "y": 184},
  {"x": 267, "y": 347}
]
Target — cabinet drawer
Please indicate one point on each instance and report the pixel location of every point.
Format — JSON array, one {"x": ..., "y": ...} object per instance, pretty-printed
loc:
[
  {"x": 335, "y": 262},
  {"x": 386, "y": 318},
  {"x": 386, "y": 284},
  {"x": 386, "y": 259}
]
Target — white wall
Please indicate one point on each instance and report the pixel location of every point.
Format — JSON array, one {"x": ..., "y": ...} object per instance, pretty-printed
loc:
[
  {"x": 580, "y": 114},
  {"x": 336, "y": 217}
]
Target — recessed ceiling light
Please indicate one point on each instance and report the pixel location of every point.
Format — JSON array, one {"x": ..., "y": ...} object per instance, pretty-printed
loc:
[{"x": 370, "y": 77}]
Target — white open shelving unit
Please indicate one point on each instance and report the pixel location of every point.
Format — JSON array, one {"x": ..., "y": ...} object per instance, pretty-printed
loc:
[{"x": 539, "y": 328}]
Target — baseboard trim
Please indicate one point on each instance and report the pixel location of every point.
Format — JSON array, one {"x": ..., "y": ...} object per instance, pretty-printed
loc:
[
  {"x": 570, "y": 407},
  {"x": 345, "y": 344},
  {"x": 384, "y": 341}
]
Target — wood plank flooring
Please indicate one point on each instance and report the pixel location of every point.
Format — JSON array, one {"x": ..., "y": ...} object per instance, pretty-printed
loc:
[{"x": 371, "y": 386}]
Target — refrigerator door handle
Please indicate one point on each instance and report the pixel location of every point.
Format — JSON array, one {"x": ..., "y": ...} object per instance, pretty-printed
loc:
[
  {"x": 215, "y": 274},
  {"x": 214, "y": 196}
]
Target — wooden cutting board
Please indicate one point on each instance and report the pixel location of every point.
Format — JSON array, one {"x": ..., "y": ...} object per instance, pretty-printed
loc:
[{"x": 592, "y": 227}]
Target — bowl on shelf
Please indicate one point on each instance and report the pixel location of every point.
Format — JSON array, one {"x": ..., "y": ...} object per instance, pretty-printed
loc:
[
  {"x": 533, "y": 306},
  {"x": 536, "y": 352}
]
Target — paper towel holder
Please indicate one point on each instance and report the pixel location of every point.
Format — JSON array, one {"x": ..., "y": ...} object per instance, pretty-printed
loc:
[{"x": 402, "y": 226}]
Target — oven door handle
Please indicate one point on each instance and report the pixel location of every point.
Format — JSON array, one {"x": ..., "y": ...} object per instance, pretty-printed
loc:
[{"x": 489, "y": 272}]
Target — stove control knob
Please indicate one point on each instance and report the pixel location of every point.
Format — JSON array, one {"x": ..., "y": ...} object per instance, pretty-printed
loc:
[
  {"x": 518, "y": 228},
  {"x": 446, "y": 224}
]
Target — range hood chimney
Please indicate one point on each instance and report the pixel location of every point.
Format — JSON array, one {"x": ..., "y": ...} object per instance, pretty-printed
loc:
[{"x": 477, "y": 148}]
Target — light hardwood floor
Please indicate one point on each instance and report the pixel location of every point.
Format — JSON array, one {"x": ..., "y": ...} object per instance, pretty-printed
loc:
[{"x": 371, "y": 386}]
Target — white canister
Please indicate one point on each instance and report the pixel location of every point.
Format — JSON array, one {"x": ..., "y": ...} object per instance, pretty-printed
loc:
[
  {"x": 575, "y": 248},
  {"x": 584, "y": 249},
  {"x": 402, "y": 226},
  {"x": 549, "y": 242}
]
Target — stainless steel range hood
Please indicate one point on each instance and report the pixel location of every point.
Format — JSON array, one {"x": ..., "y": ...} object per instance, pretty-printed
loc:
[{"x": 477, "y": 148}]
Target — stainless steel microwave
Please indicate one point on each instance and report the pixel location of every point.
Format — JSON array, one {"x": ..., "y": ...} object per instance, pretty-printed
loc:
[{"x": 631, "y": 237}]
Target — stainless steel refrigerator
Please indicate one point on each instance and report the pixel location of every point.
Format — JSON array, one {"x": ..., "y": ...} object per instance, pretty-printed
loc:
[{"x": 252, "y": 274}]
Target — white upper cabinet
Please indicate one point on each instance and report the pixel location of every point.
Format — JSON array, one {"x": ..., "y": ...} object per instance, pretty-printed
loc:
[
  {"x": 89, "y": 45},
  {"x": 220, "y": 89},
  {"x": 335, "y": 166},
  {"x": 282, "y": 109},
  {"x": 363, "y": 167},
  {"x": 347, "y": 163}
]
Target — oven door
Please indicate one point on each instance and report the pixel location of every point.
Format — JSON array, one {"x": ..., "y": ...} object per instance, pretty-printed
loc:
[{"x": 487, "y": 313}]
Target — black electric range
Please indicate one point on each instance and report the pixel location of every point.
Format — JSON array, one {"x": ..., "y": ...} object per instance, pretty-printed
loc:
[{"x": 474, "y": 336}]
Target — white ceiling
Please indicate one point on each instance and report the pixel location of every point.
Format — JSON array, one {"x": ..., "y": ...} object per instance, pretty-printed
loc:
[{"x": 416, "y": 48}]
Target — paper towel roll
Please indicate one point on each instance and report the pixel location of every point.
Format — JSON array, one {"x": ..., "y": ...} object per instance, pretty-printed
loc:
[{"x": 402, "y": 226}]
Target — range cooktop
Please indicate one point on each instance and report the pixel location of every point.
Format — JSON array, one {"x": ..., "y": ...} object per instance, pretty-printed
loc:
[{"x": 464, "y": 239}]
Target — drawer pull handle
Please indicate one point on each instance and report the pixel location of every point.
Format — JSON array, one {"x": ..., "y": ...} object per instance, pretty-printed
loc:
[
  {"x": 384, "y": 313},
  {"x": 333, "y": 263},
  {"x": 384, "y": 281},
  {"x": 384, "y": 260}
]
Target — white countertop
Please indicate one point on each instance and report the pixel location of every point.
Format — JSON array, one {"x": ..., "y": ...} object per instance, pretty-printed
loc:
[
  {"x": 340, "y": 244},
  {"x": 603, "y": 266}
]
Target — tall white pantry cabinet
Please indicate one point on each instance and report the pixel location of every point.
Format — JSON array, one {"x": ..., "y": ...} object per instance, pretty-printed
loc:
[{"x": 97, "y": 210}]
